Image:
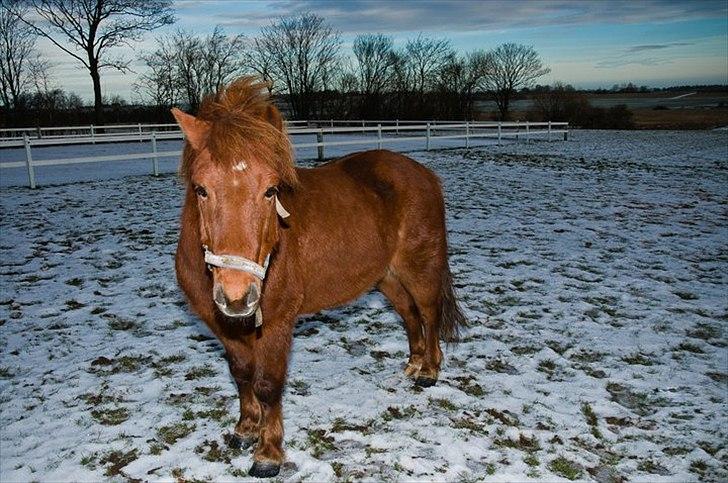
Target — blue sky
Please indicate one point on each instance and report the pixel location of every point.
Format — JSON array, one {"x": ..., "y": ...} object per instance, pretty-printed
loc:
[{"x": 586, "y": 43}]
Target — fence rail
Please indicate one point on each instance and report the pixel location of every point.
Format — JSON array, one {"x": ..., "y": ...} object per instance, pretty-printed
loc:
[{"x": 384, "y": 134}]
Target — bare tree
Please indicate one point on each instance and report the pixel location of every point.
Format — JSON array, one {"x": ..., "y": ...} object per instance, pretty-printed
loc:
[
  {"x": 375, "y": 60},
  {"x": 459, "y": 79},
  {"x": 425, "y": 57},
  {"x": 260, "y": 60},
  {"x": 186, "y": 66},
  {"x": 159, "y": 84},
  {"x": 223, "y": 58},
  {"x": 303, "y": 51},
  {"x": 512, "y": 66},
  {"x": 87, "y": 29},
  {"x": 552, "y": 104},
  {"x": 17, "y": 54}
]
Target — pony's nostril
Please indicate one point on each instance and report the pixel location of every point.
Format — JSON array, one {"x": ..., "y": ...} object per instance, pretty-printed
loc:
[
  {"x": 253, "y": 296},
  {"x": 219, "y": 295}
]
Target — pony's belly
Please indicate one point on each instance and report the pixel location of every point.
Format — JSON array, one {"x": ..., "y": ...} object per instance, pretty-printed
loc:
[{"x": 326, "y": 288}]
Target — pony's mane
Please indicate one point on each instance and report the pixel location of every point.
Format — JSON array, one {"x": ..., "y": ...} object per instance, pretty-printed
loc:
[{"x": 245, "y": 126}]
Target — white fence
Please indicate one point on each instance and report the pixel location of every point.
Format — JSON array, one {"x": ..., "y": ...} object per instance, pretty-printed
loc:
[{"x": 396, "y": 131}]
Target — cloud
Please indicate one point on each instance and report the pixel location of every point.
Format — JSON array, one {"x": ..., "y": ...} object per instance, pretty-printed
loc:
[
  {"x": 645, "y": 48},
  {"x": 357, "y": 16},
  {"x": 628, "y": 57}
]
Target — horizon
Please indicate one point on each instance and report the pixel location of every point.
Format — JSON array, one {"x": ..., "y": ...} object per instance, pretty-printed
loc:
[{"x": 590, "y": 45}]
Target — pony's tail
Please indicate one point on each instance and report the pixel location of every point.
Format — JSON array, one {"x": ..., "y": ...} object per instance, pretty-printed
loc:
[{"x": 452, "y": 319}]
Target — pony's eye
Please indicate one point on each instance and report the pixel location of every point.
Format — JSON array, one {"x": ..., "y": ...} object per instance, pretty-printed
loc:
[
  {"x": 271, "y": 192},
  {"x": 200, "y": 191}
]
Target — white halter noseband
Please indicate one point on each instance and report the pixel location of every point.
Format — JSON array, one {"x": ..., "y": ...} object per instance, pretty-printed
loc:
[{"x": 243, "y": 264}]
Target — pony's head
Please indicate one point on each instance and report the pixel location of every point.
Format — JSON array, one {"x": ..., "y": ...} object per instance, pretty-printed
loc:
[{"x": 236, "y": 160}]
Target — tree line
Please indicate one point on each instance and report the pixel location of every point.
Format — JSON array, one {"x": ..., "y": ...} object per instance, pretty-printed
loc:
[{"x": 300, "y": 58}]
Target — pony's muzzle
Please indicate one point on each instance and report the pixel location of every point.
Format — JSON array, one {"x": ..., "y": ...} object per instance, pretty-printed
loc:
[{"x": 244, "y": 306}]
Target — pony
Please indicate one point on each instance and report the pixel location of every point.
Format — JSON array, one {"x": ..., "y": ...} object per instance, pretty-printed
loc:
[{"x": 263, "y": 241}]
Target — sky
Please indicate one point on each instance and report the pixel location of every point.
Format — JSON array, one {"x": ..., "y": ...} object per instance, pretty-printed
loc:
[{"x": 588, "y": 44}]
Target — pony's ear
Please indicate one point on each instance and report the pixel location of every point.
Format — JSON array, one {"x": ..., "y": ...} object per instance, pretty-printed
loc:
[
  {"x": 195, "y": 131},
  {"x": 273, "y": 116}
]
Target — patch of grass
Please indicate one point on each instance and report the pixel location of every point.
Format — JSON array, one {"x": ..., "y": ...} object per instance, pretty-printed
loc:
[
  {"x": 640, "y": 403},
  {"x": 505, "y": 417},
  {"x": 299, "y": 387},
  {"x": 174, "y": 432},
  {"x": 565, "y": 468},
  {"x": 117, "y": 322},
  {"x": 75, "y": 282},
  {"x": 393, "y": 412},
  {"x": 688, "y": 347},
  {"x": 531, "y": 460},
  {"x": 110, "y": 417},
  {"x": 212, "y": 451},
  {"x": 320, "y": 442},
  {"x": 340, "y": 425},
  {"x": 720, "y": 377},
  {"x": 639, "y": 359},
  {"x": 444, "y": 404},
  {"x": 591, "y": 419},
  {"x": 524, "y": 350},
  {"x": 704, "y": 331},
  {"x": 469, "y": 423},
  {"x": 686, "y": 295},
  {"x": 699, "y": 467},
  {"x": 198, "y": 373},
  {"x": 117, "y": 460},
  {"x": 74, "y": 304},
  {"x": 523, "y": 443},
  {"x": 498, "y": 365}
]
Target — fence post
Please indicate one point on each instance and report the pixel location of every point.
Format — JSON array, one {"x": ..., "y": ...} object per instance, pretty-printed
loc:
[
  {"x": 320, "y": 141},
  {"x": 566, "y": 132},
  {"x": 141, "y": 138},
  {"x": 379, "y": 136},
  {"x": 499, "y": 133},
  {"x": 467, "y": 134},
  {"x": 332, "y": 123},
  {"x": 29, "y": 161},
  {"x": 518, "y": 129},
  {"x": 549, "y": 131},
  {"x": 362, "y": 127},
  {"x": 428, "y": 136},
  {"x": 155, "y": 160},
  {"x": 93, "y": 138},
  {"x": 40, "y": 134},
  {"x": 397, "y": 124},
  {"x": 528, "y": 137}
]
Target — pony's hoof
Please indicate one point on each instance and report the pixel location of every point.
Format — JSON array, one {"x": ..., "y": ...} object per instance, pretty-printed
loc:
[
  {"x": 425, "y": 381},
  {"x": 235, "y": 441},
  {"x": 264, "y": 469}
]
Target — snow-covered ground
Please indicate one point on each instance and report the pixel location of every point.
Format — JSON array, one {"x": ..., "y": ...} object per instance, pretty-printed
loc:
[{"x": 594, "y": 273}]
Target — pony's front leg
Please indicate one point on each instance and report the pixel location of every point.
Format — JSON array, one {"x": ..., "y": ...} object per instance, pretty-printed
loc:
[
  {"x": 271, "y": 350},
  {"x": 242, "y": 369}
]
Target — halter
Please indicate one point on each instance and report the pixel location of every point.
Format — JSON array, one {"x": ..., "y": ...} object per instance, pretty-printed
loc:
[{"x": 244, "y": 264}]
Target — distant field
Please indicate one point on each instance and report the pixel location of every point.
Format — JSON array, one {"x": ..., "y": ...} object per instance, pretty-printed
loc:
[{"x": 652, "y": 110}]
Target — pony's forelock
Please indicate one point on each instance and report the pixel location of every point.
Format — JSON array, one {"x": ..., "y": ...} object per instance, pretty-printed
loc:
[{"x": 241, "y": 130}]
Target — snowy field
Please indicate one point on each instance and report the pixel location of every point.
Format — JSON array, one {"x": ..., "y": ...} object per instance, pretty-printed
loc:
[{"x": 594, "y": 273}]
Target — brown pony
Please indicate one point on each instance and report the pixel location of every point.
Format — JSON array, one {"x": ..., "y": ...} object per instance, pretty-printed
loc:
[{"x": 371, "y": 219}]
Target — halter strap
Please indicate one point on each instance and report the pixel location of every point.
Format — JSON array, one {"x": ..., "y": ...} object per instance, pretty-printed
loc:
[{"x": 236, "y": 262}]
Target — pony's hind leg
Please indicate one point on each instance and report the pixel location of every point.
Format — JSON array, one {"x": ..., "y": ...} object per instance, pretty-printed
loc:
[
  {"x": 405, "y": 306},
  {"x": 424, "y": 287}
]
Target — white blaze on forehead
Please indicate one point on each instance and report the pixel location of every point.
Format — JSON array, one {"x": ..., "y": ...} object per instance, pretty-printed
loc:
[{"x": 240, "y": 166}]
